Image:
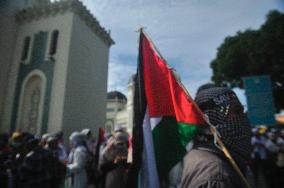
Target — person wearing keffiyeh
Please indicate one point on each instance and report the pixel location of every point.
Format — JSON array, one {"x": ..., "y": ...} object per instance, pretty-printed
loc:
[{"x": 205, "y": 165}]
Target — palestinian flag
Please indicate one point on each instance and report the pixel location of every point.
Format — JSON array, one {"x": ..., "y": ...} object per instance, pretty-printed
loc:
[{"x": 165, "y": 119}]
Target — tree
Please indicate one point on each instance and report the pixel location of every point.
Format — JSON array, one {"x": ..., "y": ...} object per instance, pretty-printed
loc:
[{"x": 253, "y": 52}]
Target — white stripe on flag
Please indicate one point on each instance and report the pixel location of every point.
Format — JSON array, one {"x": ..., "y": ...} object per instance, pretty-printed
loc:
[
  {"x": 149, "y": 175},
  {"x": 155, "y": 121}
]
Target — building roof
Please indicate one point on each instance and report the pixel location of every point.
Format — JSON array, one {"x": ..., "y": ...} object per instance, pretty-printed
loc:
[
  {"x": 59, "y": 7},
  {"x": 116, "y": 95}
]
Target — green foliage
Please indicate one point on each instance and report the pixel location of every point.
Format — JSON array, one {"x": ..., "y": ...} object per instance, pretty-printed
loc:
[{"x": 254, "y": 52}]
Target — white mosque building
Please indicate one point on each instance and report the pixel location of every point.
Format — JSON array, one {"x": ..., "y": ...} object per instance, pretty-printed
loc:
[
  {"x": 119, "y": 114},
  {"x": 54, "y": 67}
]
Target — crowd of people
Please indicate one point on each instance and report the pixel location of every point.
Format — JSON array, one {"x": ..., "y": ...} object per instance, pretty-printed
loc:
[
  {"x": 28, "y": 161},
  {"x": 267, "y": 158}
]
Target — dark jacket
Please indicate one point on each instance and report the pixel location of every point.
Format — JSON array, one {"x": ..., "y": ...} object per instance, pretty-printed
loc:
[
  {"x": 114, "y": 175},
  {"x": 208, "y": 168},
  {"x": 41, "y": 169},
  {"x": 34, "y": 171},
  {"x": 4, "y": 160}
]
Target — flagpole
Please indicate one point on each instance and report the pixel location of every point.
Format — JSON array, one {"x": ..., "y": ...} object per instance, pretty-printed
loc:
[
  {"x": 218, "y": 142},
  {"x": 227, "y": 154}
]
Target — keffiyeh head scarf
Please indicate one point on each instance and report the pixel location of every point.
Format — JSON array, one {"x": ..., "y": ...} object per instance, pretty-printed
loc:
[{"x": 225, "y": 112}]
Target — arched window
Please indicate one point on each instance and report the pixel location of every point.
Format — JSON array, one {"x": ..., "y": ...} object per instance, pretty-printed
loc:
[
  {"x": 26, "y": 48},
  {"x": 32, "y": 103},
  {"x": 53, "y": 42}
]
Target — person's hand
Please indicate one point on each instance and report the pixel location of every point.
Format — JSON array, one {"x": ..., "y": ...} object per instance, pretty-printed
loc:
[{"x": 119, "y": 159}]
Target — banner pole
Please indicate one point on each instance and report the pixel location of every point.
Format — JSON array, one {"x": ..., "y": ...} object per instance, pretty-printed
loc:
[{"x": 223, "y": 148}]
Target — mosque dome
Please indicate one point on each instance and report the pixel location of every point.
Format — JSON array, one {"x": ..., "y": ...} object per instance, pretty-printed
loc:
[{"x": 116, "y": 95}]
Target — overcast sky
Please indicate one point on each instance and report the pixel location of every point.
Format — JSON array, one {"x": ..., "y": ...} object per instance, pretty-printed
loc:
[{"x": 186, "y": 32}]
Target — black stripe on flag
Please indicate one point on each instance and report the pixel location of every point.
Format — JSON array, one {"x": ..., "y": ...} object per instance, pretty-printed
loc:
[{"x": 139, "y": 112}]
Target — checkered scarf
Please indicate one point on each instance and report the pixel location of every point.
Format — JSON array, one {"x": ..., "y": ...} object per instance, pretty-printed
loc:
[{"x": 225, "y": 112}]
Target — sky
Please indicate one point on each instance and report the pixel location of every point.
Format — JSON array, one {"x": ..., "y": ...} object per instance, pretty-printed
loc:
[{"x": 186, "y": 32}]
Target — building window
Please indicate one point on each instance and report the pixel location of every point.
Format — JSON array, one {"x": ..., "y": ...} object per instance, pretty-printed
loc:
[
  {"x": 39, "y": 47},
  {"x": 53, "y": 42},
  {"x": 26, "y": 48}
]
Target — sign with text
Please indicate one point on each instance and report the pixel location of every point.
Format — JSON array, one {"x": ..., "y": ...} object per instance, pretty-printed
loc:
[{"x": 259, "y": 96}]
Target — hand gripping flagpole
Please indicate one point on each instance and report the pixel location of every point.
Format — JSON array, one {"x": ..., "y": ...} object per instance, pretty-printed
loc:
[{"x": 217, "y": 140}]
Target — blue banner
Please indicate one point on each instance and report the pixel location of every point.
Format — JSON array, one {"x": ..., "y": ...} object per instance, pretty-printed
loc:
[{"x": 259, "y": 96}]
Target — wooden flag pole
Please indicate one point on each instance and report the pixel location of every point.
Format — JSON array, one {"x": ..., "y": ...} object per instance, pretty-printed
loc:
[
  {"x": 140, "y": 29},
  {"x": 223, "y": 148}
]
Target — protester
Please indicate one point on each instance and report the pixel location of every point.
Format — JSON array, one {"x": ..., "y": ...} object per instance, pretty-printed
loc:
[
  {"x": 52, "y": 146},
  {"x": 89, "y": 140},
  {"x": 280, "y": 159},
  {"x": 205, "y": 165},
  {"x": 5, "y": 152},
  {"x": 43, "y": 141},
  {"x": 271, "y": 168},
  {"x": 259, "y": 156},
  {"x": 18, "y": 144},
  {"x": 34, "y": 171},
  {"x": 77, "y": 161},
  {"x": 57, "y": 167},
  {"x": 62, "y": 150},
  {"x": 113, "y": 163}
]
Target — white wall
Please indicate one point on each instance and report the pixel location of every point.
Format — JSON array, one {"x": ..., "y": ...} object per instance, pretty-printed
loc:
[
  {"x": 63, "y": 23},
  {"x": 86, "y": 89},
  {"x": 130, "y": 105},
  {"x": 121, "y": 119},
  {"x": 114, "y": 105},
  {"x": 8, "y": 29}
]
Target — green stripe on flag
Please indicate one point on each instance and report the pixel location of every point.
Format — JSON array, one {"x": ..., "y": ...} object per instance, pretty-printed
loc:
[
  {"x": 170, "y": 139},
  {"x": 186, "y": 132}
]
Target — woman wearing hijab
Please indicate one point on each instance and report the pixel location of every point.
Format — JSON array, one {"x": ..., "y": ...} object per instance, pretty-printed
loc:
[{"x": 77, "y": 161}]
